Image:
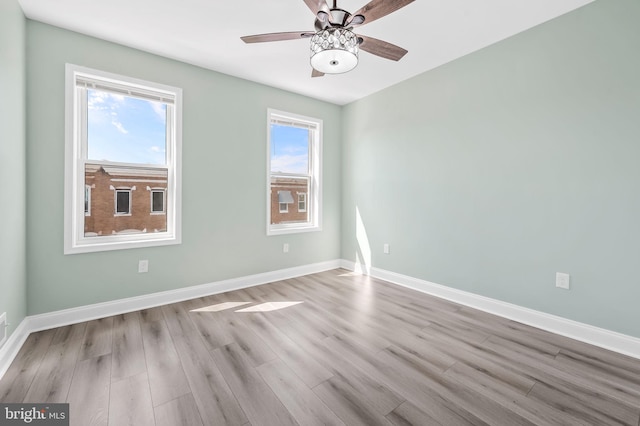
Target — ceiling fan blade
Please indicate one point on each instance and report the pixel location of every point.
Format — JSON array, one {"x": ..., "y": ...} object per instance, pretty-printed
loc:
[
  {"x": 382, "y": 48},
  {"x": 319, "y": 6},
  {"x": 261, "y": 38},
  {"x": 316, "y": 73},
  {"x": 377, "y": 9}
]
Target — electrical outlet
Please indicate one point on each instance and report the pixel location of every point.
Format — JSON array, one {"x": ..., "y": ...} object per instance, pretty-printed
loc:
[
  {"x": 285, "y": 248},
  {"x": 143, "y": 266},
  {"x": 563, "y": 280},
  {"x": 385, "y": 248}
]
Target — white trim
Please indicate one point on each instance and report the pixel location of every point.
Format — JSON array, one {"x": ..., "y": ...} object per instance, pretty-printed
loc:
[
  {"x": 115, "y": 307},
  {"x": 3, "y": 328},
  {"x": 611, "y": 340},
  {"x": 12, "y": 346}
]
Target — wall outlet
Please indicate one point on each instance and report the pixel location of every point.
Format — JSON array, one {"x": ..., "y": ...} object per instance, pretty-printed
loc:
[
  {"x": 3, "y": 328},
  {"x": 285, "y": 248},
  {"x": 563, "y": 280},
  {"x": 143, "y": 266},
  {"x": 385, "y": 248}
]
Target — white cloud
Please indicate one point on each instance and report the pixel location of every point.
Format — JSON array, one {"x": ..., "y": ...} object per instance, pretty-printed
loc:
[
  {"x": 118, "y": 125},
  {"x": 159, "y": 109},
  {"x": 290, "y": 163},
  {"x": 156, "y": 149}
]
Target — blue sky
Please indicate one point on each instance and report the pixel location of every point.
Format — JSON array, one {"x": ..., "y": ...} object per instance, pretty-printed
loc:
[
  {"x": 289, "y": 149},
  {"x": 125, "y": 129}
]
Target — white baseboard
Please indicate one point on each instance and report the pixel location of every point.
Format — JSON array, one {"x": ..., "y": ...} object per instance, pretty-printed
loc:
[
  {"x": 583, "y": 332},
  {"x": 100, "y": 310},
  {"x": 106, "y": 309},
  {"x": 12, "y": 346},
  {"x": 603, "y": 338}
]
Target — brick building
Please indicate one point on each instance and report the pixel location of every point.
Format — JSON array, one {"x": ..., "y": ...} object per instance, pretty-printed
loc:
[
  {"x": 122, "y": 200},
  {"x": 289, "y": 200}
]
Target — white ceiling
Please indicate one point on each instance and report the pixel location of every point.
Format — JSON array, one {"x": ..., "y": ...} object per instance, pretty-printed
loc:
[{"x": 207, "y": 33}]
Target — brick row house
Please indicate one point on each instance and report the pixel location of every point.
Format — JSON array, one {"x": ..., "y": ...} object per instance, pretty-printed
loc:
[
  {"x": 289, "y": 200},
  {"x": 124, "y": 200}
]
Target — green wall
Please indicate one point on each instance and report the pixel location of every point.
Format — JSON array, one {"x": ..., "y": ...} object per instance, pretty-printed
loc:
[
  {"x": 495, "y": 171},
  {"x": 488, "y": 174},
  {"x": 224, "y": 179},
  {"x": 12, "y": 164}
]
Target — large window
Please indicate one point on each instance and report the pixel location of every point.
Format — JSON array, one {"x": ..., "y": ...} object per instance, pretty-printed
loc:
[
  {"x": 122, "y": 135},
  {"x": 294, "y": 195}
]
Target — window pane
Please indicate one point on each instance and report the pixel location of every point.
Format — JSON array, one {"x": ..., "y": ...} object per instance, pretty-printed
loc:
[
  {"x": 302, "y": 202},
  {"x": 284, "y": 212},
  {"x": 289, "y": 149},
  {"x": 157, "y": 201},
  {"x": 122, "y": 202},
  {"x": 131, "y": 213},
  {"x": 87, "y": 198},
  {"x": 125, "y": 129}
]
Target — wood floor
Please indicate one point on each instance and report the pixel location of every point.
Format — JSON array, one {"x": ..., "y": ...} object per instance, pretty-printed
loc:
[{"x": 327, "y": 349}]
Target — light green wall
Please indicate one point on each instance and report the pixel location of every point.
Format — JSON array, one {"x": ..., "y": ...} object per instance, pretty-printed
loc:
[
  {"x": 12, "y": 163},
  {"x": 224, "y": 183},
  {"x": 488, "y": 174},
  {"x": 493, "y": 172}
]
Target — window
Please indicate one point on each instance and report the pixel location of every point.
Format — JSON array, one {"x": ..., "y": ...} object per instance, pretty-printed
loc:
[
  {"x": 302, "y": 203},
  {"x": 293, "y": 164},
  {"x": 157, "y": 201},
  {"x": 87, "y": 200},
  {"x": 121, "y": 132},
  {"x": 123, "y": 201}
]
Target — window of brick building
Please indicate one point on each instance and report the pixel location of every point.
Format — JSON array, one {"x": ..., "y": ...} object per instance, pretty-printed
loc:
[
  {"x": 302, "y": 202},
  {"x": 123, "y": 201},
  {"x": 157, "y": 201},
  {"x": 121, "y": 133},
  {"x": 87, "y": 200},
  {"x": 294, "y": 165}
]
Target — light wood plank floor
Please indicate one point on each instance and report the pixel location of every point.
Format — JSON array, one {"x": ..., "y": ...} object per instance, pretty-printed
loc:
[{"x": 327, "y": 349}]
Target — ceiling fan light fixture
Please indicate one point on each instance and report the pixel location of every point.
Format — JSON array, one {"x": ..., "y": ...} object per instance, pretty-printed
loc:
[{"x": 334, "y": 51}]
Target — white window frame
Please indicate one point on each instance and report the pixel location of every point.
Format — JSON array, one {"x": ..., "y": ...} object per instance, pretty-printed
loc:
[
  {"x": 283, "y": 207},
  {"x": 76, "y": 158},
  {"x": 314, "y": 199},
  {"x": 304, "y": 196}
]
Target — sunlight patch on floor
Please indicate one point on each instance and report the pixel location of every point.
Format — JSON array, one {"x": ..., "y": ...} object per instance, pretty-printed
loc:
[
  {"x": 220, "y": 307},
  {"x": 268, "y": 306}
]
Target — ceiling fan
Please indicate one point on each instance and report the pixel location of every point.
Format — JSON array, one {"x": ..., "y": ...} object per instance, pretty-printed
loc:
[{"x": 334, "y": 46}]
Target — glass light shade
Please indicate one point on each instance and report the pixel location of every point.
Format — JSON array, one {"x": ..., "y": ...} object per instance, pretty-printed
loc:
[{"x": 334, "y": 51}]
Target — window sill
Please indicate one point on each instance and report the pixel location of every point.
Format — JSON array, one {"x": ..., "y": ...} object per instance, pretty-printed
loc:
[
  {"x": 120, "y": 242},
  {"x": 284, "y": 229}
]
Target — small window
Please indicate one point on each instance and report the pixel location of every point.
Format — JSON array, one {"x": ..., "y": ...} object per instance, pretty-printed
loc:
[
  {"x": 157, "y": 201},
  {"x": 121, "y": 132},
  {"x": 302, "y": 203},
  {"x": 123, "y": 201},
  {"x": 293, "y": 163},
  {"x": 87, "y": 200}
]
